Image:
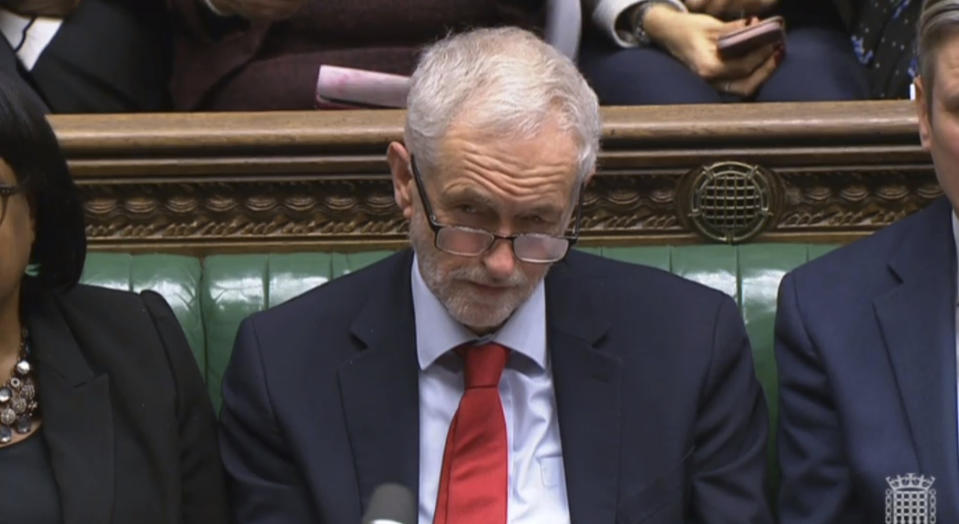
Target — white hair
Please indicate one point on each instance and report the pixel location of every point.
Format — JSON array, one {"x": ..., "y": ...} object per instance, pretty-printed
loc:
[{"x": 511, "y": 82}]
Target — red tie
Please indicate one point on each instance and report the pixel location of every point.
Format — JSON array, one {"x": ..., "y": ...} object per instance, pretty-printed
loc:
[{"x": 473, "y": 480}]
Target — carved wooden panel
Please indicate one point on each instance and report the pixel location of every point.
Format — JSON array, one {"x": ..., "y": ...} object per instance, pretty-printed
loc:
[
  {"x": 332, "y": 210},
  {"x": 277, "y": 181}
]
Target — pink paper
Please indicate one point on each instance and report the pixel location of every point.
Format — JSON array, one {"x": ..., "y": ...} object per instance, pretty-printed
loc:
[{"x": 344, "y": 86}]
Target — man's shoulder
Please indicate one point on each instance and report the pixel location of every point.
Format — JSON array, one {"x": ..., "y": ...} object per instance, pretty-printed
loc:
[
  {"x": 630, "y": 274},
  {"x": 620, "y": 283},
  {"x": 864, "y": 263},
  {"x": 335, "y": 302}
]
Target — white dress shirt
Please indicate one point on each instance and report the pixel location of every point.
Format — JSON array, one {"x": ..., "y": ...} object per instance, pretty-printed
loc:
[
  {"x": 27, "y": 35},
  {"x": 536, "y": 482},
  {"x": 604, "y": 14},
  {"x": 955, "y": 238}
]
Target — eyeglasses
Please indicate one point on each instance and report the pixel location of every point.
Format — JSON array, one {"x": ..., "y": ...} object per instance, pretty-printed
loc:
[
  {"x": 5, "y": 193},
  {"x": 538, "y": 248}
]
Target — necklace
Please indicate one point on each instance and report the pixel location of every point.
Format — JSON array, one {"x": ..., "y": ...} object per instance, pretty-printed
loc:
[{"x": 18, "y": 395}]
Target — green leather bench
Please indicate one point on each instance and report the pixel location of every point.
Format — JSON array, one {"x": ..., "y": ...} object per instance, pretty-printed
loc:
[{"x": 211, "y": 296}]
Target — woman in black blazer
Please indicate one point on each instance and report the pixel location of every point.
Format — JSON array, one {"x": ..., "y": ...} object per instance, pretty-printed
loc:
[{"x": 103, "y": 414}]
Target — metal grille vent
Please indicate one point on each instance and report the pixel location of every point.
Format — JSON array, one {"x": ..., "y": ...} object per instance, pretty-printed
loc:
[{"x": 730, "y": 202}]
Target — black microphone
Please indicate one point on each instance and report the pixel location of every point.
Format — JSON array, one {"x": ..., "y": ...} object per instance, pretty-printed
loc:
[{"x": 391, "y": 504}]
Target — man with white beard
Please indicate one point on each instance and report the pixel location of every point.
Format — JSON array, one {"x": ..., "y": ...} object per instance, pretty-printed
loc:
[{"x": 497, "y": 375}]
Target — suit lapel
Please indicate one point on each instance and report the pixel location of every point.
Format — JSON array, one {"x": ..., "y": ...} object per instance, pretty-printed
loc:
[
  {"x": 77, "y": 418},
  {"x": 380, "y": 388},
  {"x": 917, "y": 321},
  {"x": 380, "y": 391},
  {"x": 587, "y": 386}
]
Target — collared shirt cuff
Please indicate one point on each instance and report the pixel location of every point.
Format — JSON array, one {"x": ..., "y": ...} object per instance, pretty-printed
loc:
[{"x": 607, "y": 11}]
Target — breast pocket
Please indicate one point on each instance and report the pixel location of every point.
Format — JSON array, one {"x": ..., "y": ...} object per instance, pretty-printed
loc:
[
  {"x": 551, "y": 471},
  {"x": 662, "y": 501}
]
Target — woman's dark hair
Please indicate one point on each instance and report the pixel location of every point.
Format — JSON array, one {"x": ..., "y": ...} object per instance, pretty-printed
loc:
[{"x": 29, "y": 147}]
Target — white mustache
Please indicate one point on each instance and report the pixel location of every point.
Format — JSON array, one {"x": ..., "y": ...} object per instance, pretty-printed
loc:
[{"x": 479, "y": 276}]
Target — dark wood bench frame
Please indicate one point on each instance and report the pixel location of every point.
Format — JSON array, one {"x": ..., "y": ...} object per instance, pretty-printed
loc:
[{"x": 226, "y": 182}]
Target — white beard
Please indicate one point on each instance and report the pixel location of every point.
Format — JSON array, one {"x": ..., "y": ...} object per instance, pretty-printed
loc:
[{"x": 452, "y": 288}]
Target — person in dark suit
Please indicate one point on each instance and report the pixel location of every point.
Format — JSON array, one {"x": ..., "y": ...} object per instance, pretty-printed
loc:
[
  {"x": 103, "y": 415},
  {"x": 866, "y": 343},
  {"x": 89, "y": 56},
  {"x": 495, "y": 374}
]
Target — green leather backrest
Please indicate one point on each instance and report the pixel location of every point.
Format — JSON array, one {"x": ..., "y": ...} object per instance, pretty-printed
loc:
[
  {"x": 175, "y": 277},
  {"x": 236, "y": 286},
  {"x": 211, "y": 297}
]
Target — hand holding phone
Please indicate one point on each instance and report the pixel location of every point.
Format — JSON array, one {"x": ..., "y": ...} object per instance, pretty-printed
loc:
[
  {"x": 741, "y": 41},
  {"x": 692, "y": 39}
]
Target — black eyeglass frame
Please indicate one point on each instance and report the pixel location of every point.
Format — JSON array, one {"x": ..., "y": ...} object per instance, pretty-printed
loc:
[
  {"x": 7, "y": 191},
  {"x": 436, "y": 226}
]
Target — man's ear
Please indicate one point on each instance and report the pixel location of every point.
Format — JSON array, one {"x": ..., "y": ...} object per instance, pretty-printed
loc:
[
  {"x": 923, "y": 103},
  {"x": 581, "y": 188},
  {"x": 398, "y": 159}
]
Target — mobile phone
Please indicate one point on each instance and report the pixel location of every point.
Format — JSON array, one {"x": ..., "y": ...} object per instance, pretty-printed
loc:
[{"x": 742, "y": 41}]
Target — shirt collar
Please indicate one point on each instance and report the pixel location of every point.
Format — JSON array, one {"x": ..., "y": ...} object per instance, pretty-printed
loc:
[
  {"x": 955, "y": 238},
  {"x": 437, "y": 332}
]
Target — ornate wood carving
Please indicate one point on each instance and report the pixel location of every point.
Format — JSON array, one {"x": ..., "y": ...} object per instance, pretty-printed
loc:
[
  {"x": 855, "y": 200},
  {"x": 277, "y": 181},
  {"x": 326, "y": 209}
]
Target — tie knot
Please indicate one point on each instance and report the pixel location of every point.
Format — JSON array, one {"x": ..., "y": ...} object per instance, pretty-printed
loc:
[{"x": 484, "y": 364}]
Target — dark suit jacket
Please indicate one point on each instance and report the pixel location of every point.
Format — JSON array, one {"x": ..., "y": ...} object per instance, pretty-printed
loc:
[
  {"x": 126, "y": 419},
  {"x": 108, "y": 56},
  {"x": 867, "y": 362},
  {"x": 661, "y": 417}
]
